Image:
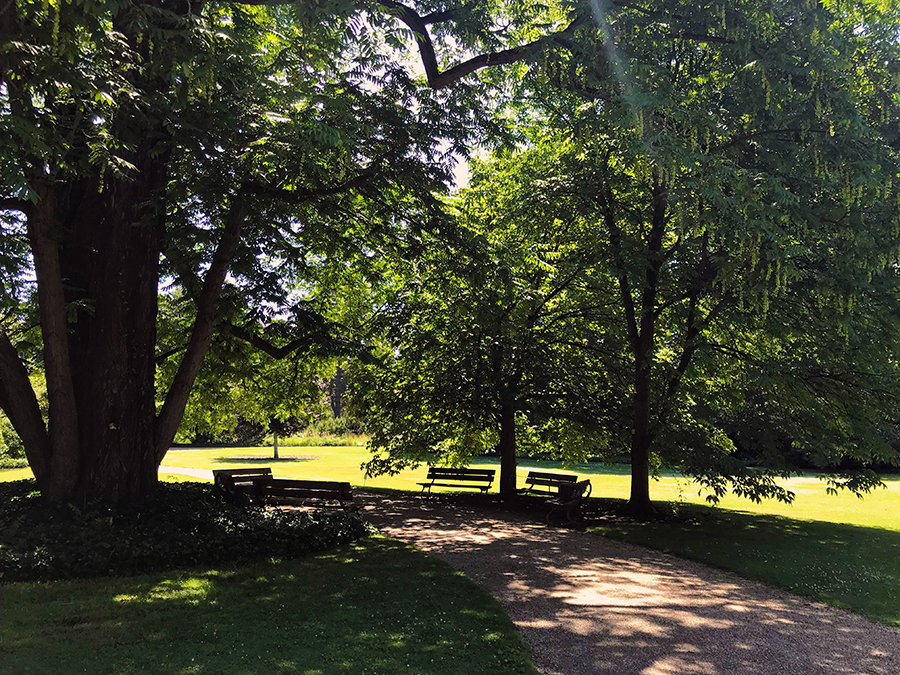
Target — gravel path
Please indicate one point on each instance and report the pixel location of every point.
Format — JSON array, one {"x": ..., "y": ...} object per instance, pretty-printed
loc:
[{"x": 586, "y": 604}]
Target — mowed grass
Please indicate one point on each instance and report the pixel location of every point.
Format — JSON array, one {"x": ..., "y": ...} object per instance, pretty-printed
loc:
[
  {"x": 880, "y": 508},
  {"x": 378, "y": 606},
  {"x": 848, "y": 566},
  {"x": 837, "y": 549}
]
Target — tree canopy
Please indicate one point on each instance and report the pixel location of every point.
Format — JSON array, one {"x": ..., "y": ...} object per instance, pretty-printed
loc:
[
  {"x": 697, "y": 240},
  {"x": 226, "y": 150},
  {"x": 728, "y": 173}
]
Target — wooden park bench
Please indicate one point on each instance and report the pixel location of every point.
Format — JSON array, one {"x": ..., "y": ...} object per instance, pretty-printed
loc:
[
  {"x": 290, "y": 492},
  {"x": 570, "y": 500},
  {"x": 237, "y": 484},
  {"x": 540, "y": 482},
  {"x": 480, "y": 479}
]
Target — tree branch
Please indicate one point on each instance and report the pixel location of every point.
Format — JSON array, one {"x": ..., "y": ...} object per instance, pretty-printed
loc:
[
  {"x": 177, "y": 397},
  {"x": 746, "y": 136},
  {"x": 615, "y": 241},
  {"x": 267, "y": 347},
  {"x": 437, "y": 79},
  {"x": 63, "y": 456},
  {"x": 18, "y": 401},
  {"x": 301, "y": 196},
  {"x": 164, "y": 356}
]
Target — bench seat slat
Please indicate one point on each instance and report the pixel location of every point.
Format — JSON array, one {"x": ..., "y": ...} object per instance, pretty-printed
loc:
[
  {"x": 548, "y": 480},
  {"x": 480, "y": 479},
  {"x": 289, "y": 491}
]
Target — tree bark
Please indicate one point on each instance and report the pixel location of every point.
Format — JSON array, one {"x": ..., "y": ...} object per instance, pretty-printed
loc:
[
  {"x": 109, "y": 257},
  {"x": 640, "y": 314},
  {"x": 507, "y": 448},
  {"x": 639, "y": 505},
  {"x": 18, "y": 400},
  {"x": 63, "y": 460}
]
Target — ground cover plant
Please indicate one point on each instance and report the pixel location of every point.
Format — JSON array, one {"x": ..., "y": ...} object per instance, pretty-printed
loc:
[
  {"x": 181, "y": 525},
  {"x": 374, "y": 606}
]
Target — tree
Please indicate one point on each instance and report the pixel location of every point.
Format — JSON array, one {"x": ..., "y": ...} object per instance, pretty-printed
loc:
[
  {"x": 734, "y": 166},
  {"x": 151, "y": 140},
  {"x": 739, "y": 161},
  {"x": 491, "y": 344}
]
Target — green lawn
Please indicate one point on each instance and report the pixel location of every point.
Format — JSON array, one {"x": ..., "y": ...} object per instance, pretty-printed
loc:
[
  {"x": 378, "y": 606},
  {"x": 878, "y": 509},
  {"x": 836, "y": 549}
]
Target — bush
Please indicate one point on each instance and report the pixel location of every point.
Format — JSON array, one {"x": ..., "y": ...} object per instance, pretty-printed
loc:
[
  {"x": 180, "y": 525},
  {"x": 335, "y": 426},
  {"x": 319, "y": 441},
  {"x": 13, "y": 463},
  {"x": 245, "y": 433},
  {"x": 11, "y": 445}
]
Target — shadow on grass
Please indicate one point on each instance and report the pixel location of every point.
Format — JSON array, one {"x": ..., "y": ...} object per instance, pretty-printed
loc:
[
  {"x": 848, "y": 566},
  {"x": 378, "y": 606}
]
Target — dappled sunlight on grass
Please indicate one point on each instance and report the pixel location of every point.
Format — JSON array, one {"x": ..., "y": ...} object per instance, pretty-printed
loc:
[
  {"x": 367, "y": 608},
  {"x": 192, "y": 590},
  {"x": 849, "y": 566}
]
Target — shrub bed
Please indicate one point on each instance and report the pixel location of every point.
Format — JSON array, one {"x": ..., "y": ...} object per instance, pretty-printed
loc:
[{"x": 180, "y": 525}]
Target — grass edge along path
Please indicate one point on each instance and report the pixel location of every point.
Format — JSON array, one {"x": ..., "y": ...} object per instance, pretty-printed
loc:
[
  {"x": 834, "y": 549},
  {"x": 375, "y": 606},
  {"x": 847, "y": 566}
]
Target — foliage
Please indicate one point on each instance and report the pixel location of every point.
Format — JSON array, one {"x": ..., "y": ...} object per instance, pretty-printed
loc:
[
  {"x": 703, "y": 228},
  {"x": 491, "y": 344},
  {"x": 181, "y": 525},
  {"x": 10, "y": 444},
  {"x": 9, "y": 463},
  {"x": 328, "y": 425},
  {"x": 735, "y": 168},
  {"x": 328, "y": 440}
]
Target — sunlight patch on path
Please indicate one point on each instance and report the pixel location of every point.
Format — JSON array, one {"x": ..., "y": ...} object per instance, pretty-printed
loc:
[{"x": 589, "y": 605}]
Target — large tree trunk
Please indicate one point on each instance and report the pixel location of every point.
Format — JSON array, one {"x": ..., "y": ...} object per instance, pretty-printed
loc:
[
  {"x": 639, "y": 505},
  {"x": 96, "y": 258},
  {"x": 507, "y": 448},
  {"x": 97, "y": 263},
  {"x": 640, "y": 313}
]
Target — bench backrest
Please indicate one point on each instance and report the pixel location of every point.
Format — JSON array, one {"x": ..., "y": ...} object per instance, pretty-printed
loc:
[
  {"x": 534, "y": 476},
  {"x": 228, "y": 478},
  {"x": 444, "y": 473},
  {"x": 287, "y": 488},
  {"x": 575, "y": 492}
]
